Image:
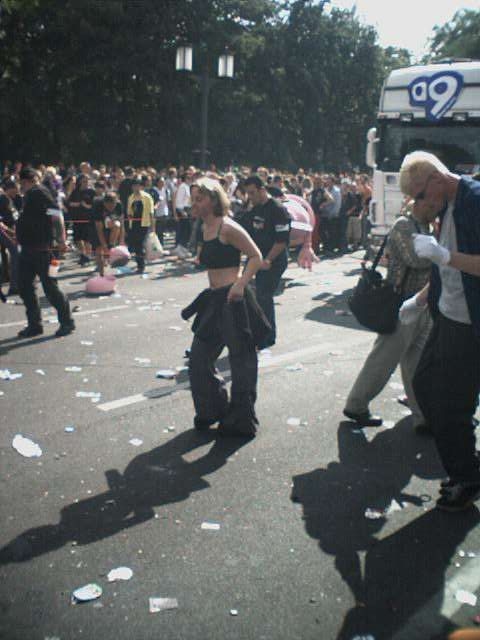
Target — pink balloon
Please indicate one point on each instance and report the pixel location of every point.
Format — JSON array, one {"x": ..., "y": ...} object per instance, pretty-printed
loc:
[
  {"x": 303, "y": 223},
  {"x": 100, "y": 285},
  {"x": 119, "y": 256}
]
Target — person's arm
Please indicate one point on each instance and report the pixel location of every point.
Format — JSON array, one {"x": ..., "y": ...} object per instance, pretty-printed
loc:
[
  {"x": 401, "y": 238},
  {"x": 328, "y": 199},
  {"x": 101, "y": 235},
  {"x": 281, "y": 222},
  {"x": 428, "y": 247},
  {"x": 239, "y": 238},
  {"x": 274, "y": 252},
  {"x": 465, "y": 262}
]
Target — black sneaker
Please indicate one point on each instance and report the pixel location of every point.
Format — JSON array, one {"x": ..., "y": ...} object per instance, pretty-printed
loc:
[
  {"x": 65, "y": 329},
  {"x": 202, "y": 425},
  {"x": 459, "y": 496},
  {"x": 30, "y": 332},
  {"x": 363, "y": 419}
]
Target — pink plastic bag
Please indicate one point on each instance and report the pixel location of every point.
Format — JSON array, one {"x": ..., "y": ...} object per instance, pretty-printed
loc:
[{"x": 100, "y": 285}]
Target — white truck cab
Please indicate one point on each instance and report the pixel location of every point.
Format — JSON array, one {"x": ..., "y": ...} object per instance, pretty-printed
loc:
[{"x": 433, "y": 108}]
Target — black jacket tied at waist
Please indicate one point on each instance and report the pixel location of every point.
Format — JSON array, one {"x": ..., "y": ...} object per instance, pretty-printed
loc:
[{"x": 208, "y": 306}]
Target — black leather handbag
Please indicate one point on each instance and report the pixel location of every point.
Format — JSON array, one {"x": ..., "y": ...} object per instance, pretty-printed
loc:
[{"x": 375, "y": 302}]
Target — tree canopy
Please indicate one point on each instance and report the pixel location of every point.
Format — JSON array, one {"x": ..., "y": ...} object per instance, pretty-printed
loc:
[{"x": 87, "y": 79}]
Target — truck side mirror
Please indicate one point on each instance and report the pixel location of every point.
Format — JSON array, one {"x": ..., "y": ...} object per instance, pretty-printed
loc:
[{"x": 370, "y": 157}]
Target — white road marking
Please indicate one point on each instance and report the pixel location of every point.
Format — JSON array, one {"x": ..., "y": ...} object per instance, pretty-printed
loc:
[
  {"x": 263, "y": 363},
  {"x": 77, "y": 313}
]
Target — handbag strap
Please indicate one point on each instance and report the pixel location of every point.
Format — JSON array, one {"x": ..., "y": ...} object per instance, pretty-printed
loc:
[{"x": 379, "y": 254}]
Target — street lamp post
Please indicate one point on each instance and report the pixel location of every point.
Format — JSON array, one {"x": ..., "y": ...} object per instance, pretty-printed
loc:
[{"x": 184, "y": 62}]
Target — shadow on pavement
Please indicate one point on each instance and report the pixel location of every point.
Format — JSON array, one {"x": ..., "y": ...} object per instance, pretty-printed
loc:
[
  {"x": 334, "y": 310},
  {"x": 158, "y": 477},
  {"x": 404, "y": 571}
]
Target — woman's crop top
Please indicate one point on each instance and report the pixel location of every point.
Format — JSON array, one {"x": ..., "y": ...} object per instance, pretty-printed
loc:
[{"x": 217, "y": 255}]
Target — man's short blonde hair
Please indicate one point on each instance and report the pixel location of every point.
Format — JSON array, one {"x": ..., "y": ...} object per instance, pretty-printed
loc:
[
  {"x": 216, "y": 193},
  {"x": 416, "y": 168}
]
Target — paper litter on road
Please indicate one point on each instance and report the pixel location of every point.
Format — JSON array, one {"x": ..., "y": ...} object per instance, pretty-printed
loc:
[
  {"x": 73, "y": 369},
  {"x": 293, "y": 422},
  {"x": 162, "y": 604},
  {"x": 26, "y": 447},
  {"x": 86, "y": 343},
  {"x": 364, "y": 637},
  {"x": 174, "y": 328},
  {"x": 6, "y": 374},
  {"x": 234, "y": 612},
  {"x": 40, "y": 372},
  {"x": 69, "y": 429},
  {"x": 336, "y": 353},
  {"x": 88, "y": 394},
  {"x": 120, "y": 573},
  {"x": 210, "y": 526},
  {"x": 86, "y": 593},
  {"x": 374, "y": 514},
  {"x": 168, "y": 374},
  {"x": 465, "y": 597},
  {"x": 2, "y": 393},
  {"x": 295, "y": 367},
  {"x": 143, "y": 360},
  {"x": 136, "y": 442}
]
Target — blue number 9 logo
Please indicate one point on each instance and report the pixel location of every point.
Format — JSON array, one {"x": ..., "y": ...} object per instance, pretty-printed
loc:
[{"x": 437, "y": 93}]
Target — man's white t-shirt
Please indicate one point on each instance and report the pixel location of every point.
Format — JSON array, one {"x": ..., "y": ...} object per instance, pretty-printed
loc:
[{"x": 452, "y": 303}]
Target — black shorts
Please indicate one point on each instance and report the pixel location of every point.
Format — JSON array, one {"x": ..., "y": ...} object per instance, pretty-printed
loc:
[{"x": 81, "y": 231}]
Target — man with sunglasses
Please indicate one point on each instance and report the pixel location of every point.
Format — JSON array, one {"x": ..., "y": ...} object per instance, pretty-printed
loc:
[{"x": 447, "y": 379}]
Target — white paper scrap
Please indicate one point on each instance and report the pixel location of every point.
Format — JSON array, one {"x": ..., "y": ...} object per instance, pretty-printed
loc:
[
  {"x": 295, "y": 367},
  {"x": 210, "y": 526},
  {"x": 293, "y": 422},
  {"x": 168, "y": 374},
  {"x": 88, "y": 592},
  {"x": 120, "y": 573},
  {"x": 73, "y": 369},
  {"x": 162, "y": 604},
  {"x": 465, "y": 597},
  {"x": 136, "y": 442},
  {"x": 26, "y": 447},
  {"x": 40, "y": 372}
]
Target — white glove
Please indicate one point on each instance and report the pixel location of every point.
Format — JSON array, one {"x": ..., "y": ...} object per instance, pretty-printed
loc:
[
  {"x": 427, "y": 247},
  {"x": 410, "y": 311}
]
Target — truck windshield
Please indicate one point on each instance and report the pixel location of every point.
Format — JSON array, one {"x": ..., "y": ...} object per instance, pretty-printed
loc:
[{"x": 457, "y": 144}]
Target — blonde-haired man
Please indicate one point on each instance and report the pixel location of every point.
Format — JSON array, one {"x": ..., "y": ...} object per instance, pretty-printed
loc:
[{"x": 447, "y": 379}]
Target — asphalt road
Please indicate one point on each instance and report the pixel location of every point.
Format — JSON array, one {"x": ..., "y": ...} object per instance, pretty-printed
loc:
[{"x": 294, "y": 556}]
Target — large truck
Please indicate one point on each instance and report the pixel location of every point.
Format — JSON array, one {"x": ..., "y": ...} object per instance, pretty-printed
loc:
[{"x": 434, "y": 108}]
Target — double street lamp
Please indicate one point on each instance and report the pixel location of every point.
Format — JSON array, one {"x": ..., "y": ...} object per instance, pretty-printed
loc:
[{"x": 184, "y": 62}]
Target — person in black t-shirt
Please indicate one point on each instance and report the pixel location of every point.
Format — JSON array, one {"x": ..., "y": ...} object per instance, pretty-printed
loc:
[
  {"x": 8, "y": 218},
  {"x": 107, "y": 227},
  {"x": 79, "y": 206},
  {"x": 35, "y": 235},
  {"x": 268, "y": 223}
]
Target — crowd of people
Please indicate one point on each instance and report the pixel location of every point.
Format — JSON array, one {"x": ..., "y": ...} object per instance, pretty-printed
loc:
[
  {"x": 106, "y": 206},
  {"x": 433, "y": 261}
]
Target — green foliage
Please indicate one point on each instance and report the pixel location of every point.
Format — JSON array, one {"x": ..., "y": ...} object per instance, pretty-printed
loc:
[
  {"x": 459, "y": 38},
  {"x": 89, "y": 79}
]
